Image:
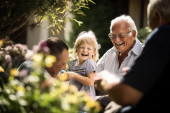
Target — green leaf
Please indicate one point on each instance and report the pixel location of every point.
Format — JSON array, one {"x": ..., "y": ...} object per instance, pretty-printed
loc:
[
  {"x": 78, "y": 22},
  {"x": 52, "y": 31}
]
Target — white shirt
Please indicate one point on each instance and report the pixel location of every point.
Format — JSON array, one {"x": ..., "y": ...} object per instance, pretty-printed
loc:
[{"x": 109, "y": 61}]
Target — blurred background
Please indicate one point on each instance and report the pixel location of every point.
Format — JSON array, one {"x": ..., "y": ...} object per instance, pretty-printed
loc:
[{"x": 96, "y": 18}]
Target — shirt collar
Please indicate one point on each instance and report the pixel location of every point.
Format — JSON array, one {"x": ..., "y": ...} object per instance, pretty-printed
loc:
[{"x": 137, "y": 47}]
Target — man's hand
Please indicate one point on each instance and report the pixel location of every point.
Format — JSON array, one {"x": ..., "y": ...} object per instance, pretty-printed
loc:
[{"x": 103, "y": 80}]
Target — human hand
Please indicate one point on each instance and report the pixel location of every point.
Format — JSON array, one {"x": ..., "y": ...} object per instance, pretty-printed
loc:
[
  {"x": 49, "y": 82},
  {"x": 71, "y": 75},
  {"x": 103, "y": 80},
  {"x": 63, "y": 75},
  {"x": 125, "y": 69}
]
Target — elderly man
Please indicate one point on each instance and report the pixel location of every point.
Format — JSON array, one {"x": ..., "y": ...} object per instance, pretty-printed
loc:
[
  {"x": 59, "y": 49},
  {"x": 145, "y": 86},
  {"x": 126, "y": 47}
]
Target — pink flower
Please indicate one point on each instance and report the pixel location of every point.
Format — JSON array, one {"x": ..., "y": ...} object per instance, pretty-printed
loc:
[
  {"x": 23, "y": 73},
  {"x": 28, "y": 55},
  {"x": 8, "y": 59}
]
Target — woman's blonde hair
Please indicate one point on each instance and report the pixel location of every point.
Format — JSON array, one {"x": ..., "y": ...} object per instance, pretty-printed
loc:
[{"x": 89, "y": 38}]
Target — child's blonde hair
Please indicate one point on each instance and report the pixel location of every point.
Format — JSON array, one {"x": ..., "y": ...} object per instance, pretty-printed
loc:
[{"x": 89, "y": 38}]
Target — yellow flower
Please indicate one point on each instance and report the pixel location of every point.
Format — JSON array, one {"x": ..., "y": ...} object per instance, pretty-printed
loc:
[
  {"x": 1, "y": 69},
  {"x": 90, "y": 103},
  {"x": 73, "y": 88},
  {"x": 53, "y": 93},
  {"x": 1, "y": 43},
  {"x": 65, "y": 87},
  {"x": 20, "y": 88},
  {"x": 97, "y": 105},
  {"x": 14, "y": 72},
  {"x": 49, "y": 60},
  {"x": 71, "y": 99},
  {"x": 37, "y": 58}
]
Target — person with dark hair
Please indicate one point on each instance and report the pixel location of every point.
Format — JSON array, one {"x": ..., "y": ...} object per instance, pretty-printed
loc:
[
  {"x": 145, "y": 87},
  {"x": 55, "y": 47}
]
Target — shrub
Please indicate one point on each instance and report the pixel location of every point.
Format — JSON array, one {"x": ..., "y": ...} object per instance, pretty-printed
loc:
[
  {"x": 143, "y": 33},
  {"x": 37, "y": 93}
]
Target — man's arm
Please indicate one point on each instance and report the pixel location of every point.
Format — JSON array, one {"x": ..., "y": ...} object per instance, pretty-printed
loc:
[{"x": 119, "y": 92}]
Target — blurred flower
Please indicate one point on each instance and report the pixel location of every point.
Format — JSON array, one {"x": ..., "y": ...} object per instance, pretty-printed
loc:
[
  {"x": 11, "y": 56},
  {"x": 23, "y": 73},
  {"x": 42, "y": 47},
  {"x": 28, "y": 55},
  {"x": 14, "y": 72},
  {"x": 73, "y": 89},
  {"x": 37, "y": 92},
  {"x": 21, "y": 88},
  {"x": 1, "y": 43},
  {"x": 50, "y": 81},
  {"x": 1, "y": 69},
  {"x": 71, "y": 99},
  {"x": 37, "y": 58},
  {"x": 65, "y": 87},
  {"x": 49, "y": 60}
]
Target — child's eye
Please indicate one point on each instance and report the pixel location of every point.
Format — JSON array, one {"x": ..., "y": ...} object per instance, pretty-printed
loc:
[{"x": 89, "y": 48}]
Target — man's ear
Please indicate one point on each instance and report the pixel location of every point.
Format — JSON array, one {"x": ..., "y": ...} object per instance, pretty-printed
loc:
[
  {"x": 160, "y": 17},
  {"x": 134, "y": 33}
]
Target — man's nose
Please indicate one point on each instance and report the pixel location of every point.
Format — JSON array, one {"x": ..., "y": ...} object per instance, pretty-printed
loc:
[{"x": 116, "y": 38}]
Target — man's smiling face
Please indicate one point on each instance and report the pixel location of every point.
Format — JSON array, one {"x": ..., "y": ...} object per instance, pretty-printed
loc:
[{"x": 123, "y": 38}]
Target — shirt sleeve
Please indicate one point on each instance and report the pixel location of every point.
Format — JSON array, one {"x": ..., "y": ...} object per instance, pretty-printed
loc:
[
  {"x": 90, "y": 66},
  {"x": 100, "y": 64},
  {"x": 27, "y": 65},
  {"x": 72, "y": 64},
  {"x": 102, "y": 61}
]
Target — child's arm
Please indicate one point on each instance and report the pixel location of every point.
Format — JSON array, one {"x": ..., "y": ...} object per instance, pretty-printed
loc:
[{"x": 88, "y": 81}]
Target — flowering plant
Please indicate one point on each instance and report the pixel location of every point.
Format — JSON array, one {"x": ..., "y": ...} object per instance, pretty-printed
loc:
[
  {"x": 11, "y": 56},
  {"x": 37, "y": 93}
]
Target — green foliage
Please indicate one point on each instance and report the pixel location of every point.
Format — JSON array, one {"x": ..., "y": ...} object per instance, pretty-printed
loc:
[
  {"x": 16, "y": 14},
  {"x": 97, "y": 18},
  {"x": 143, "y": 33},
  {"x": 38, "y": 92},
  {"x": 71, "y": 57}
]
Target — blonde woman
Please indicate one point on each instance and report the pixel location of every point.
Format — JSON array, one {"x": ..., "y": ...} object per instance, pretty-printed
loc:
[{"x": 82, "y": 69}]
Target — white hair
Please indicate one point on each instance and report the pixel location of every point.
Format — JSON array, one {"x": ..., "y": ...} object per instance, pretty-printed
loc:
[
  {"x": 158, "y": 5},
  {"x": 126, "y": 18}
]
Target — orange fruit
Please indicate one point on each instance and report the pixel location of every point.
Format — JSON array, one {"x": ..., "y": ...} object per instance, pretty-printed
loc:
[{"x": 63, "y": 77}]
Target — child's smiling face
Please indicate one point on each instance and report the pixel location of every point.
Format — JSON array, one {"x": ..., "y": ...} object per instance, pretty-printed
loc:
[{"x": 85, "y": 51}]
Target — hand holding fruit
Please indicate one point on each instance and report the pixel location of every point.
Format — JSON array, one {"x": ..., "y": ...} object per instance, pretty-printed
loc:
[{"x": 63, "y": 76}]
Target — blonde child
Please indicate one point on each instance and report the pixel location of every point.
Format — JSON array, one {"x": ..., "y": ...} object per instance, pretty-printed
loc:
[{"x": 82, "y": 69}]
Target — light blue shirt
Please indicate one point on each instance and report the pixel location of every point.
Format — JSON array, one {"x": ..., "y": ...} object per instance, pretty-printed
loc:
[{"x": 109, "y": 61}]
